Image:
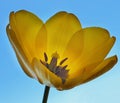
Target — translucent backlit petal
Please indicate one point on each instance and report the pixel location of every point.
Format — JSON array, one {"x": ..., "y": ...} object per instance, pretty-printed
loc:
[
  {"x": 103, "y": 67},
  {"x": 87, "y": 74},
  {"x": 60, "y": 29},
  {"x": 26, "y": 66},
  {"x": 96, "y": 43},
  {"x": 74, "y": 47},
  {"x": 26, "y": 27},
  {"x": 41, "y": 43}
]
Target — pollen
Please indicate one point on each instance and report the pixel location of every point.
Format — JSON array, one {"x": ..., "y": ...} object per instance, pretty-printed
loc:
[{"x": 58, "y": 70}]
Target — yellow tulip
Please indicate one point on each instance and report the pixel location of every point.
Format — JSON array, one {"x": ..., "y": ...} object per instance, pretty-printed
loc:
[{"x": 59, "y": 53}]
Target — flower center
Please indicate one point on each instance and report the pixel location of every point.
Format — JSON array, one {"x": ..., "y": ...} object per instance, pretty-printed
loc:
[{"x": 59, "y": 70}]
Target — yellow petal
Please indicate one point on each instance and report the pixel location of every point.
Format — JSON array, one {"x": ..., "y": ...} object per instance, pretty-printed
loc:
[
  {"x": 89, "y": 73},
  {"x": 20, "y": 53},
  {"x": 103, "y": 67},
  {"x": 74, "y": 47},
  {"x": 26, "y": 27},
  {"x": 95, "y": 45},
  {"x": 41, "y": 43},
  {"x": 45, "y": 76},
  {"x": 97, "y": 54},
  {"x": 60, "y": 29},
  {"x": 94, "y": 40},
  {"x": 76, "y": 78}
]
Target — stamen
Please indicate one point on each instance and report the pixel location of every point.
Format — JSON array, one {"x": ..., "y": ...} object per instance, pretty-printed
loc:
[
  {"x": 44, "y": 63},
  {"x": 65, "y": 67},
  {"x": 45, "y": 56},
  {"x": 63, "y": 61},
  {"x": 52, "y": 66}
]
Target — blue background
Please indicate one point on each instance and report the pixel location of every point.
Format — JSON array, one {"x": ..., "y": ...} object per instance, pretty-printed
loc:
[{"x": 16, "y": 87}]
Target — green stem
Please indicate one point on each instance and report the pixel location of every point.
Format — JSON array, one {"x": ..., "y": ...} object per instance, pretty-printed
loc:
[{"x": 46, "y": 92}]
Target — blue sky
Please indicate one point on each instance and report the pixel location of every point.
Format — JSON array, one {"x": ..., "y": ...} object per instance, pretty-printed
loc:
[{"x": 16, "y": 87}]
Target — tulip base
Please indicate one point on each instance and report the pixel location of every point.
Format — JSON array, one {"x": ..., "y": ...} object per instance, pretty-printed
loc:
[{"x": 46, "y": 93}]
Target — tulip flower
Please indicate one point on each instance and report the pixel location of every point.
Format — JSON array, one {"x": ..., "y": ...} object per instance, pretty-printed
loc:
[{"x": 60, "y": 53}]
